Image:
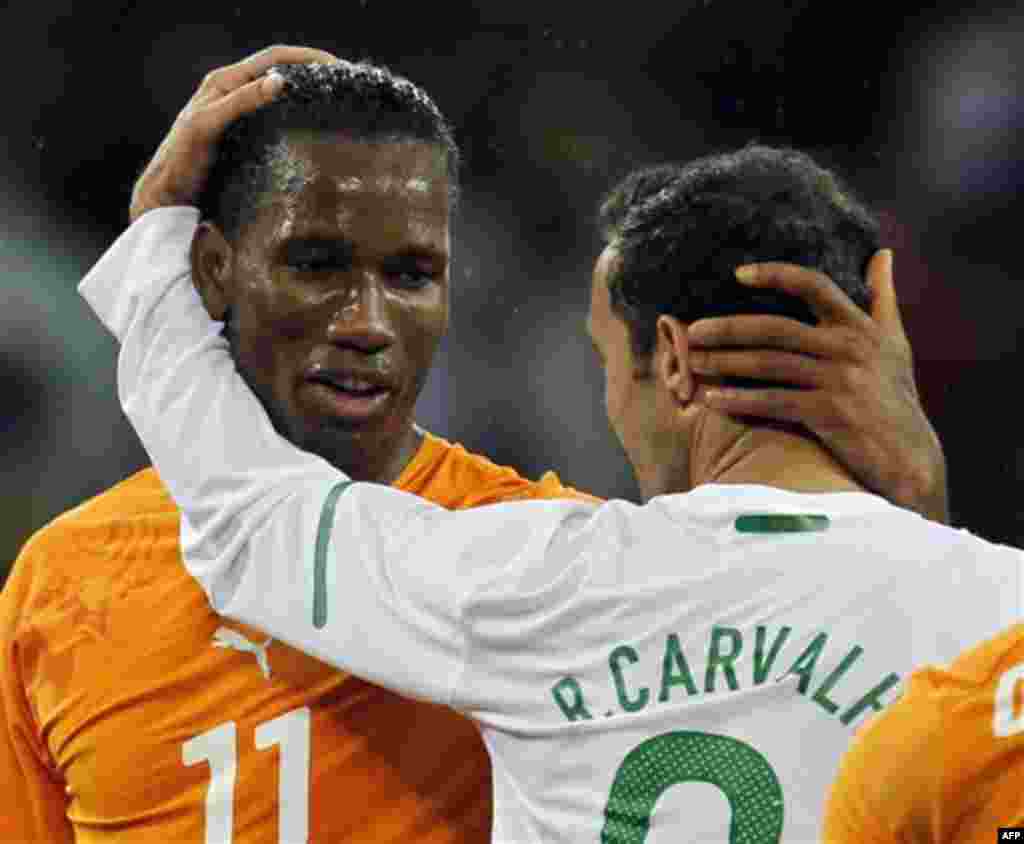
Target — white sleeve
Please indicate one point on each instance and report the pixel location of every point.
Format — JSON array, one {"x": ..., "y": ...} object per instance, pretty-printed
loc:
[
  {"x": 360, "y": 575},
  {"x": 377, "y": 582}
]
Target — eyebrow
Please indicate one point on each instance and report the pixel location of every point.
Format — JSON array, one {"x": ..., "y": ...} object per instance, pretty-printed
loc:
[{"x": 342, "y": 247}]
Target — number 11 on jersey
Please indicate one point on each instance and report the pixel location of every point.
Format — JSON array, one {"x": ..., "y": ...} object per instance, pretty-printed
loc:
[{"x": 219, "y": 747}]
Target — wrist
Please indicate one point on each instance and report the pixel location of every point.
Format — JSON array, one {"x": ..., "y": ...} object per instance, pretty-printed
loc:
[{"x": 924, "y": 488}]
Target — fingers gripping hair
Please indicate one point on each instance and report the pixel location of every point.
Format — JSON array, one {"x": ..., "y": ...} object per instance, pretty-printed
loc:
[
  {"x": 359, "y": 100},
  {"x": 681, "y": 231}
]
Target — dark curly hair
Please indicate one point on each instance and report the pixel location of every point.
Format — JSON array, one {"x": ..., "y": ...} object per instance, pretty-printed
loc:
[
  {"x": 681, "y": 231},
  {"x": 361, "y": 101}
]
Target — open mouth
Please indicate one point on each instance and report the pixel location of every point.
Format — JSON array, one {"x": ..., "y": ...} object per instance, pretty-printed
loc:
[
  {"x": 355, "y": 389},
  {"x": 349, "y": 398}
]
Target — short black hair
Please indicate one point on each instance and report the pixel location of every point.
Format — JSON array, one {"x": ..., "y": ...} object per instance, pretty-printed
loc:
[
  {"x": 361, "y": 101},
  {"x": 680, "y": 231}
]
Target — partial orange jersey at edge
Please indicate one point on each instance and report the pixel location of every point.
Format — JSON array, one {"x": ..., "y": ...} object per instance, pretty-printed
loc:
[
  {"x": 129, "y": 711},
  {"x": 944, "y": 763}
]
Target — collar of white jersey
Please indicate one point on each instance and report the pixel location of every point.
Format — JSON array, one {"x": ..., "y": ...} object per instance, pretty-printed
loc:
[{"x": 733, "y": 499}]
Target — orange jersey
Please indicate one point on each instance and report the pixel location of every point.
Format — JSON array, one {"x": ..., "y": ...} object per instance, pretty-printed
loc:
[
  {"x": 129, "y": 711},
  {"x": 944, "y": 763}
]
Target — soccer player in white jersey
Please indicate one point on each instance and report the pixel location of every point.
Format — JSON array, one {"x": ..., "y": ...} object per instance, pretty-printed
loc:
[{"x": 694, "y": 665}]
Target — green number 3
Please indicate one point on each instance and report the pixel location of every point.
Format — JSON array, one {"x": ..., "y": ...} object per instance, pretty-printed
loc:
[{"x": 654, "y": 766}]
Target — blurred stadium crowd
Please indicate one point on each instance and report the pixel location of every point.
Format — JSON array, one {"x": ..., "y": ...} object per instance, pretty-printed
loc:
[{"x": 920, "y": 110}]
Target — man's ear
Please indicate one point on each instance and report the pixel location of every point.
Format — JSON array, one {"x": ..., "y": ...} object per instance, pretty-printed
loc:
[
  {"x": 212, "y": 257},
  {"x": 671, "y": 356}
]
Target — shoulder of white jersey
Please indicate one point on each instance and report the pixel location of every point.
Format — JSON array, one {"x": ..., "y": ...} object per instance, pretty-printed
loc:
[{"x": 478, "y": 548}]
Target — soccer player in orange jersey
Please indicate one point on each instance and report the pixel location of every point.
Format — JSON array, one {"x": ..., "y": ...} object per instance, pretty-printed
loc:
[
  {"x": 115, "y": 725},
  {"x": 944, "y": 763}
]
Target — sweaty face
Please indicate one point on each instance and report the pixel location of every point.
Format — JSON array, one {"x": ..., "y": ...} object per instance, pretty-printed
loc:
[
  {"x": 340, "y": 296},
  {"x": 628, "y": 397}
]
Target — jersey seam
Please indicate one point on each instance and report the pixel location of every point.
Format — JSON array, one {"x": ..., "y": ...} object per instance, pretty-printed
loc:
[
  {"x": 324, "y": 532},
  {"x": 26, "y": 712}
]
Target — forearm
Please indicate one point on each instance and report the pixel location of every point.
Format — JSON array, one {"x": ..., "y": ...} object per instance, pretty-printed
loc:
[
  {"x": 207, "y": 435},
  {"x": 929, "y": 495},
  {"x": 264, "y": 527}
]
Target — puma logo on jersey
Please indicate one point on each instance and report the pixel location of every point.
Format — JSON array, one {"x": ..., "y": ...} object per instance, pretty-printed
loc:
[{"x": 225, "y": 637}]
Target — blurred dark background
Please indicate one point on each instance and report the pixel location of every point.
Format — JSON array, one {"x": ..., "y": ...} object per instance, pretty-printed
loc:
[{"x": 919, "y": 109}]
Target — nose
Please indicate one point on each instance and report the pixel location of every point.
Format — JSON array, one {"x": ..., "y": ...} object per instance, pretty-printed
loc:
[{"x": 360, "y": 318}]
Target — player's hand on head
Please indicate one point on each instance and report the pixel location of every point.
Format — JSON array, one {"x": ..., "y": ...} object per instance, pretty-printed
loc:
[
  {"x": 177, "y": 172},
  {"x": 854, "y": 374}
]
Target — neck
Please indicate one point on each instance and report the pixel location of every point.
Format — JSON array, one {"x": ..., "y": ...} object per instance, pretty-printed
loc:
[
  {"x": 727, "y": 452},
  {"x": 369, "y": 462},
  {"x": 376, "y": 457}
]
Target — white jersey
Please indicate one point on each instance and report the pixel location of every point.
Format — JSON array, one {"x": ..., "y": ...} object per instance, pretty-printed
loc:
[{"x": 688, "y": 670}]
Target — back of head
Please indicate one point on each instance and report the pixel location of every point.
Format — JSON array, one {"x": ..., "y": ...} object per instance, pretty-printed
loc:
[
  {"x": 681, "y": 231},
  {"x": 358, "y": 101}
]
